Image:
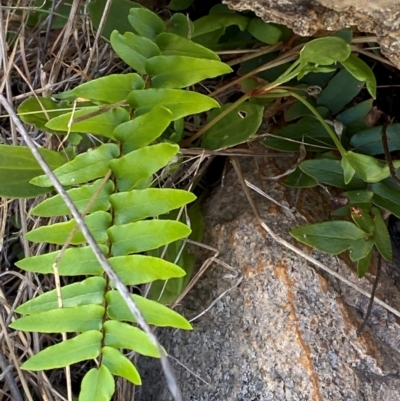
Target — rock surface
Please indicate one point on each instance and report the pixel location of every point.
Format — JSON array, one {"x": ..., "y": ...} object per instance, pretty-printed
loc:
[
  {"x": 288, "y": 330},
  {"x": 306, "y": 17}
]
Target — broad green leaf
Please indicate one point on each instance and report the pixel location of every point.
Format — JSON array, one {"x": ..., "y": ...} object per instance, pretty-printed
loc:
[
  {"x": 143, "y": 130},
  {"x": 354, "y": 118},
  {"x": 180, "y": 102},
  {"x": 62, "y": 320},
  {"x": 215, "y": 22},
  {"x": 146, "y": 23},
  {"x": 381, "y": 236},
  {"x": 86, "y": 292},
  {"x": 348, "y": 170},
  {"x": 143, "y": 203},
  {"x": 141, "y": 164},
  {"x": 58, "y": 233},
  {"x": 360, "y": 248},
  {"x": 177, "y": 5},
  {"x": 181, "y": 25},
  {"x": 346, "y": 34},
  {"x": 363, "y": 264},
  {"x": 369, "y": 141},
  {"x": 341, "y": 90},
  {"x": 75, "y": 262},
  {"x": 181, "y": 71},
  {"x": 81, "y": 196},
  {"x": 101, "y": 124},
  {"x": 124, "y": 335},
  {"x": 116, "y": 18},
  {"x": 361, "y": 216},
  {"x": 145, "y": 235},
  {"x": 39, "y": 110},
  {"x": 154, "y": 312},
  {"x": 330, "y": 172},
  {"x": 325, "y": 51},
  {"x": 331, "y": 236},
  {"x": 119, "y": 365},
  {"x": 97, "y": 385},
  {"x": 141, "y": 269},
  {"x": 110, "y": 89},
  {"x": 18, "y": 167},
  {"x": 298, "y": 179},
  {"x": 359, "y": 197},
  {"x": 387, "y": 196},
  {"x": 174, "y": 45},
  {"x": 264, "y": 32},
  {"x": 85, "y": 167},
  {"x": 299, "y": 109},
  {"x": 80, "y": 348},
  {"x": 236, "y": 127},
  {"x": 134, "y": 50},
  {"x": 362, "y": 72}
]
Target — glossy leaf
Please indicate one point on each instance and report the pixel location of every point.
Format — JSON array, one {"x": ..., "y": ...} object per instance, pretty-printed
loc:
[
  {"x": 331, "y": 237},
  {"x": 236, "y": 127},
  {"x": 154, "y": 312},
  {"x": 180, "y": 24},
  {"x": 362, "y": 72},
  {"x": 145, "y": 235},
  {"x": 298, "y": 179},
  {"x": 75, "y": 262},
  {"x": 387, "y": 196},
  {"x": 119, "y": 365},
  {"x": 134, "y": 50},
  {"x": 381, "y": 236},
  {"x": 363, "y": 264},
  {"x": 85, "y": 167},
  {"x": 144, "y": 203},
  {"x": 141, "y": 269},
  {"x": 124, "y": 335},
  {"x": 146, "y": 23},
  {"x": 17, "y": 168},
  {"x": 101, "y": 124},
  {"x": 143, "y": 130},
  {"x": 110, "y": 89},
  {"x": 80, "y": 348},
  {"x": 81, "y": 196},
  {"x": 180, "y": 102},
  {"x": 181, "y": 71},
  {"x": 325, "y": 51},
  {"x": 264, "y": 32},
  {"x": 86, "y": 292},
  {"x": 62, "y": 320},
  {"x": 97, "y": 385},
  {"x": 58, "y": 233}
]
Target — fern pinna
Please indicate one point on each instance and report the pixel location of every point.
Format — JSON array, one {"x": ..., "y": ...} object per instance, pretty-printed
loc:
[{"x": 138, "y": 116}]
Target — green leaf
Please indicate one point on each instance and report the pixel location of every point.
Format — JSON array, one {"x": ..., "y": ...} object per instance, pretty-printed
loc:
[
  {"x": 180, "y": 102},
  {"x": 346, "y": 34},
  {"x": 110, "y": 89},
  {"x": 86, "y": 292},
  {"x": 361, "y": 71},
  {"x": 341, "y": 90},
  {"x": 145, "y": 235},
  {"x": 62, "y": 320},
  {"x": 97, "y": 385},
  {"x": 174, "y": 45},
  {"x": 123, "y": 335},
  {"x": 330, "y": 172},
  {"x": 387, "y": 196},
  {"x": 101, "y": 124},
  {"x": 140, "y": 269},
  {"x": 81, "y": 196},
  {"x": 144, "y": 203},
  {"x": 361, "y": 216},
  {"x": 75, "y": 262},
  {"x": 85, "y": 167},
  {"x": 146, "y": 23},
  {"x": 264, "y": 32},
  {"x": 358, "y": 197},
  {"x": 363, "y": 264},
  {"x": 354, "y": 117},
  {"x": 182, "y": 71},
  {"x": 369, "y": 141},
  {"x": 348, "y": 170},
  {"x": 134, "y": 50},
  {"x": 119, "y": 365},
  {"x": 116, "y": 18},
  {"x": 180, "y": 24},
  {"x": 331, "y": 236},
  {"x": 58, "y": 233},
  {"x": 236, "y": 127},
  {"x": 143, "y": 130},
  {"x": 325, "y": 51},
  {"x": 177, "y": 5},
  {"x": 81, "y": 348},
  {"x": 154, "y": 312},
  {"x": 360, "y": 249},
  {"x": 215, "y": 22},
  {"x": 141, "y": 164},
  {"x": 299, "y": 109},
  {"x": 381, "y": 236},
  {"x": 17, "y": 168},
  {"x": 298, "y": 179}
]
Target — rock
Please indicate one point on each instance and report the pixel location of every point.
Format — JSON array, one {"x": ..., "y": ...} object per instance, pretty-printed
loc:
[
  {"x": 306, "y": 17},
  {"x": 288, "y": 330}
]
